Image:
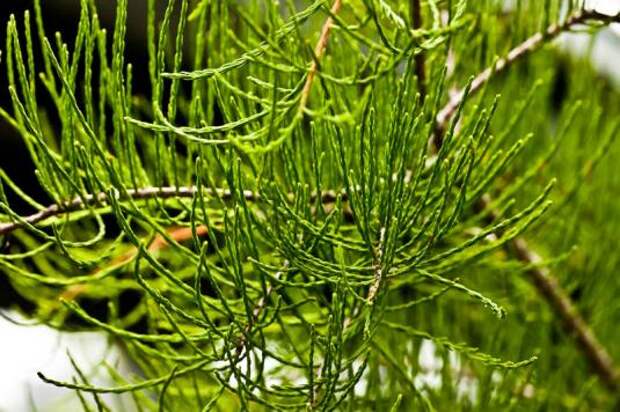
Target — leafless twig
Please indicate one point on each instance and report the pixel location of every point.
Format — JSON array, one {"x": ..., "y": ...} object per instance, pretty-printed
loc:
[
  {"x": 319, "y": 51},
  {"x": 529, "y": 45}
]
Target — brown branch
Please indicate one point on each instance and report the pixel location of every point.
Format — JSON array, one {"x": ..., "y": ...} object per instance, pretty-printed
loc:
[
  {"x": 178, "y": 234},
  {"x": 81, "y": 203},
  {"x": 373, "y": 292},
  {"x": 319, "y": 51},
  {"x": 547, "y": 285},
  {"x": 531, "y": 44},
  {"x": 574, "y": 324},
  {"x": 170, "y": 192}
]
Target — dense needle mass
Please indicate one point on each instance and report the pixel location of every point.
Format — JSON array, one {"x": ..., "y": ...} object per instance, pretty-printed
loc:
[{"x": 310, "y": 192}]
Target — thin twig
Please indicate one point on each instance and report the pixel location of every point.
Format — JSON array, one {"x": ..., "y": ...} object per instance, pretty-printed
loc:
[
  {"x": 378, "y": 269},
  {"x": 319, "y": 51},
  {"x": 419, "y": 59},
  {"x": 547, "y": 285},
  {"x": 258, "y": 309},
  {"x": 169, "y": 192},
  {"x": 373, "y": 292},
  {"x": 531, "y": 44}
]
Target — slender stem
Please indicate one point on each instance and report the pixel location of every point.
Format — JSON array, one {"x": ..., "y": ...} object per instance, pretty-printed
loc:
[
  {"x": 378, "y": 269},
  {"x": 547, "y": 285},
  {"x": 529, "y": 45},
  {"x": 81, "y": 203},
  {"x": 419, "y": 59},
  {"x": 319, "y": 51},
  {"x": 258, "y": 309},
  {"x": 373, "y": 292},
  {"x": 169, "y": 192}
]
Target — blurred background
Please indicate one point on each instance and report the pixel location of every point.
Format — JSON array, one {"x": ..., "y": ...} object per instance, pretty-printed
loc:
[{"x": 28, "y": 348}]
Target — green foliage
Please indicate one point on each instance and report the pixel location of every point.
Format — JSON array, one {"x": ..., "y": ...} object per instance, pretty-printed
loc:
[{"x": 327, "y": 239}]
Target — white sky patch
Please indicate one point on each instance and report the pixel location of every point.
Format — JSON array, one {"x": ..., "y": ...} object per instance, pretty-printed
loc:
[
  {"x": 27, "y": 350},
  {"x": 610, "y": 7}
]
